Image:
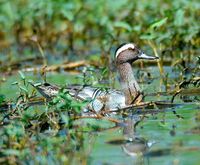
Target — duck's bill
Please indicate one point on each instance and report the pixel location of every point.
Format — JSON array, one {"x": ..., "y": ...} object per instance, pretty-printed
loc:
[{"x": 144, "y": 56}]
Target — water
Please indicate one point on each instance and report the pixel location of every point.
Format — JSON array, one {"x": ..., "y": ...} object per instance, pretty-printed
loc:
[
  {"x": 158, "y": 139},
  {"x": 162, "y": 137}
]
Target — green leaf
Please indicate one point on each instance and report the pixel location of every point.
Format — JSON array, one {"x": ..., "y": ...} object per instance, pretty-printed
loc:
[
  {"x": 179, "y": 18},
  {"x": 67, "y": 14},
  {"x": 150, "y": 36},
  {"x": 11, "y": 152},
  {"x": 15, "y": 83},
  {"x": 162, "y": 36},
  {"x": 159, "y": 23},
  {"x": 24, "y": 89},
  {"x": 2, "y": 98},
  {"x": 65, "y": 118},
  {"x": 124, "y": 25},
  {"x": 21, "y": 75}
]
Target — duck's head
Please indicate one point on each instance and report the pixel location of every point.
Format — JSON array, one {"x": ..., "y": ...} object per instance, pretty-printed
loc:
[
  {"x": 45, "y": 89},
  {"x": 129, "y": 52}
]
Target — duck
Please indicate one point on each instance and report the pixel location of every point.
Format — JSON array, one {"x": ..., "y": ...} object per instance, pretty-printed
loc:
[{"x": 104, "y": 98}]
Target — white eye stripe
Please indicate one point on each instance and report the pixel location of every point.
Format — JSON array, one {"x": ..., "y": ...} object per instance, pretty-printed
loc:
[{"x": 123, "y": 48}]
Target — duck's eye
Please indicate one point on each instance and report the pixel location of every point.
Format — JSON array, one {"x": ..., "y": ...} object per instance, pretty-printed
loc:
[{"x": 46, "y": 84}]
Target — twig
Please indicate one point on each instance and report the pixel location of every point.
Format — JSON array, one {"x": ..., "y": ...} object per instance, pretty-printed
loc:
[
  {"x": 177, "y": 92},
  {"x": 159, "y": 62},
  {"x": 98, "y": 117}
]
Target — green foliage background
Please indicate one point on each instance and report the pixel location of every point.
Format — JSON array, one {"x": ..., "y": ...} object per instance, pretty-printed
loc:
[{"x": 68, "y": 25}]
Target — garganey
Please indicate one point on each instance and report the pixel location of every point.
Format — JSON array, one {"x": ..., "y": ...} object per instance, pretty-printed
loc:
[{"x": 108, "y": 99}]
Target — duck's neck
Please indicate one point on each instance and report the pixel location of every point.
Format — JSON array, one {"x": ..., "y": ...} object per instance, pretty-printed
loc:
[{"x": 129, "y": 85}]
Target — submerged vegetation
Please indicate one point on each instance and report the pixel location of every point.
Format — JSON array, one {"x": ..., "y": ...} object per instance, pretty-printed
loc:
[{"x": 73, "y": 42}]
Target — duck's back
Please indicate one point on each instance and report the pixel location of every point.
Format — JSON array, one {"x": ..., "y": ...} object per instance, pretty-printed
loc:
[{"x": 99, "y": 98}]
